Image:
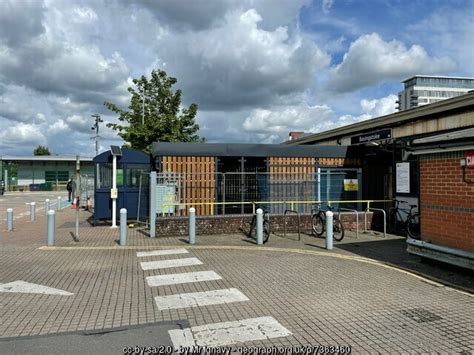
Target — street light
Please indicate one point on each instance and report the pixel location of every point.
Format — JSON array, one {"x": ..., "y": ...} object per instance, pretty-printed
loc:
[{"x": 96, "y": 128}]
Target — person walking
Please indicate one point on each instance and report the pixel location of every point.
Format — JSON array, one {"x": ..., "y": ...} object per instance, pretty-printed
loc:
[{"x": 70, "y": 189}]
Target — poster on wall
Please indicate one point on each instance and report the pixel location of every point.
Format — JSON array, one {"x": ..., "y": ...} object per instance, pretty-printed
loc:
[
  {"x": 403, "y": 178},
  {"x": 351, "y": 185}
]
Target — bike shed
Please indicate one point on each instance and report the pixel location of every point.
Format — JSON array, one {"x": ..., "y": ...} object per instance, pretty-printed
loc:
[
  {"x": 132, "y": 167},
  {"x": 222, "y": 178}
]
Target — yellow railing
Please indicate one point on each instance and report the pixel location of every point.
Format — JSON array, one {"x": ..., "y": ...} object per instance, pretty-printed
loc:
[{"x": 292, "y": 203}]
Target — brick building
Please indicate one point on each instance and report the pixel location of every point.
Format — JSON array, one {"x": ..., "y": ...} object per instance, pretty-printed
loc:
[{"x": 421, "y": 156}]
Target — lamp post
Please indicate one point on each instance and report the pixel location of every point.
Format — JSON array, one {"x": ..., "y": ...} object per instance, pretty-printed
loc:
[{"x": 96, "y": 128}]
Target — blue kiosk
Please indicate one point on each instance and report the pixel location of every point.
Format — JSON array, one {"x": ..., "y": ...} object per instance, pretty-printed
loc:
[{"x": 132, "y": 180}]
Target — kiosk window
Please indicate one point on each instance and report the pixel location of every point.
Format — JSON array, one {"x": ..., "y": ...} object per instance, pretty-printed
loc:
[{"x": 134, "y": 175}]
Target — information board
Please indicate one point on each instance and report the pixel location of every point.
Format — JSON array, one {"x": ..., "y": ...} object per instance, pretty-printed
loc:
[
  {"x": 403, "y": 178},
  {"x": 165, "y": 193}
]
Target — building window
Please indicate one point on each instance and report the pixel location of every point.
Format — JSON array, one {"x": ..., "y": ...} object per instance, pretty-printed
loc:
[{"x": 53, "y": 176}]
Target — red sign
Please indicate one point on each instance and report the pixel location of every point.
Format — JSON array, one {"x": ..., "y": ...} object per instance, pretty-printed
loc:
[{"x": 470, "y": 159}]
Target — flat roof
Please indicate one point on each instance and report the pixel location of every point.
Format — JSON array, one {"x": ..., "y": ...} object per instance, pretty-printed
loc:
[
  {"x": 438, "y": 76},
  {"x": 251, "y": 150},
  {"x": 44, "y": 158},
  {"x": 462, "y": 102}
]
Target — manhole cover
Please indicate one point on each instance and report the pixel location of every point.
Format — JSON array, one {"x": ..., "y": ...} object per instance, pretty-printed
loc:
[{"x": 420, "y": 315}]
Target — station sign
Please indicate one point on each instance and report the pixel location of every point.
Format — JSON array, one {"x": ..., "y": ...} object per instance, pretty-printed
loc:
[
  {"x": 470, "y": 159},
  {"x": 372, "y": 136}
]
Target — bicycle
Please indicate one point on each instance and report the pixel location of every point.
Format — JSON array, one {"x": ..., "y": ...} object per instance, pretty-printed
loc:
[
  {"x": 411, "y": 224},
  {"x": 318, "y": 224},
  {"x": 266, "y": 227}
]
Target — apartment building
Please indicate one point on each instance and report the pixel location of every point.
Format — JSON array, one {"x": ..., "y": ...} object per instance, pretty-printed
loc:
[{"x": 423, "y": 89}]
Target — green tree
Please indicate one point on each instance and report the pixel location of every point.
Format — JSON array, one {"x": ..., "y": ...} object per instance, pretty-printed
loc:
[
  {"x": 155, "y": 114},
  {"x": 41, "y": 150}
]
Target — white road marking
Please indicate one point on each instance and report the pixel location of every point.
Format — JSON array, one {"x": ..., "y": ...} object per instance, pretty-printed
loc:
[
  {"x": 166, "y": 264},
  {"x": 181, "y": 337},
  {"x": 228, "y": 333},
  {"x": 195, "y": 299},
  {"x": 187, "y": 277},
  {"x": 26, "y": 287},
  {"x": 161, "y": 252}
]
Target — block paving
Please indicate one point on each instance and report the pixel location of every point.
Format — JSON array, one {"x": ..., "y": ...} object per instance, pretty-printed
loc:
[{"x": 322, "y": 297}]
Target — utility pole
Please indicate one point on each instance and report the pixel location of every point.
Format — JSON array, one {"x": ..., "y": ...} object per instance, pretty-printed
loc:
[
  {"x": 143, "y": 106},
  {"x": 96, "y": 128}
]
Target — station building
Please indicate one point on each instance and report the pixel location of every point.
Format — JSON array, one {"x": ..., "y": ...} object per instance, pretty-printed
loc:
[
  {"x": 46, "y": 172},
  {"x": 424, "y": 156}
]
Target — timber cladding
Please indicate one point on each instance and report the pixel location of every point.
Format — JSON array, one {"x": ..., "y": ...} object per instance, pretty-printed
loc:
[{"x": 197, "y": 180}]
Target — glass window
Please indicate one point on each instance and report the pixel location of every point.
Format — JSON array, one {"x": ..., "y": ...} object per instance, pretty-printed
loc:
[
  {"x": 104, "y": 176},
  {"x": 136, "y": 174}
]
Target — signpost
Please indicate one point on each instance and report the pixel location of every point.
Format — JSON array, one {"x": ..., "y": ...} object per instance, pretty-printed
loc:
[{"x": 470, "y": 159}]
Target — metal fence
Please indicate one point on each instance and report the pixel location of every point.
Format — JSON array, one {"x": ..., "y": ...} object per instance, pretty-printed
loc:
[
  {"x": 235, "y": 192},
  {"x": 143, "y": 203}
]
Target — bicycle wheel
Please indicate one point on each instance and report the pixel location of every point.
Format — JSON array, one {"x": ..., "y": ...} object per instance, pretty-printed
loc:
[
  {"x": 317, "y": 223},
  {"x": 338, "y": 230},
  {"x": 413, "y": 226},
  {"x": 252, "y": 231},
  {"x": 392, "y": 221},
  {"x": 266, "y": 230}
]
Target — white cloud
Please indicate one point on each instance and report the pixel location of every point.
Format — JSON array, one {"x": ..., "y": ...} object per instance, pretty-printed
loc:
[
  {"x": 21, "y": 134},
  {"x": 449, "y": 32},
  {"x": 294, "y": 118},
  {"x": 239, "y": 64},
  {"x": 84, "y": 15},
  {"x": 273, "y": 125},
  {"x": 205, "y": 14},
  {"x": 370, "y": 60},
  {"x": 58, "y": 127},
  {"x": 20, "y": 20}
]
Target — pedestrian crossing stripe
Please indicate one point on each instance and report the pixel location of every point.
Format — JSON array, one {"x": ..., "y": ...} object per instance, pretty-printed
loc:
[
  {"x": 166, "y": 264},
  {"x": 187, "y": 277},
  {"x": 228, "y": 333},
  {"x": 162, "y": 252},
  {"x": 195, "y": 299}
]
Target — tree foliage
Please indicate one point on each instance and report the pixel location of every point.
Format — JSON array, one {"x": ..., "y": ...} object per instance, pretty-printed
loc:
[
  {"x": 155, "y": 114},
  {"x": 41, "y": 150}
]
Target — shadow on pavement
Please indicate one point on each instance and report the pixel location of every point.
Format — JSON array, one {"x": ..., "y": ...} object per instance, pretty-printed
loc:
[
  {"x": 103, "y": 341},
  {"x": 393, "y": 251}
]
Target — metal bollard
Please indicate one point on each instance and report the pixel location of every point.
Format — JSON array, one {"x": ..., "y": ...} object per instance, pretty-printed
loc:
[
  {"x": 51, "y": 227},
  {"x": 123, "y": 226},
  {"x": 58, "y": 207},
  {"x": 192, "y": 225},
  {"x": 46, "y": 206},
  {"x": 259, "y": 226},
  {"x": 329, "y": 229},
  {"x": 32, "y": 211},
  {"x": 9, "y": 219}
]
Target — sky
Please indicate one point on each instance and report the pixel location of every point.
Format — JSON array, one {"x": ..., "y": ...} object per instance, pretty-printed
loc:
[{"x": 257, "y": 69}]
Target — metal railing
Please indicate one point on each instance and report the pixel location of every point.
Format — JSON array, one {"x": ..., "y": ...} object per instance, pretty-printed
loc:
[
  {"x": 284, "y": 222},
  {"x": 357, "y": 218}
]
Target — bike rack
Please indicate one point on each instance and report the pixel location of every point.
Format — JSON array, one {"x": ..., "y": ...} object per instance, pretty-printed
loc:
[
  {"x": 384, "y": 219},
  {"x": 284, "y": 222},
  {"x": 357, "y": 218}
]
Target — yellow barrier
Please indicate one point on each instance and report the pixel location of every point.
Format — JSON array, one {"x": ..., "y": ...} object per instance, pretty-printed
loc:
[{"x": 255, "y": 203}]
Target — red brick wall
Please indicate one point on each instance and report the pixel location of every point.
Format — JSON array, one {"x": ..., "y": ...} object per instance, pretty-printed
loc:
[
  {"x": 231, "y": 224},
  {"x": 447, "y": 202}
]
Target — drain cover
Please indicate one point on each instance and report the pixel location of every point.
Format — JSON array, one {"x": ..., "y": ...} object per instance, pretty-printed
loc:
[{"x": 420, "y": 315}]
